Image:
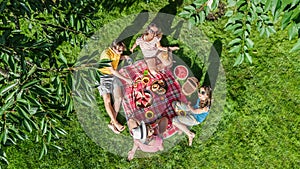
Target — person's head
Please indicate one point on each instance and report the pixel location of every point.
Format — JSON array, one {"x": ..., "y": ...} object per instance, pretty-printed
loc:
[
  {"x": 118, "y": 46},
  {"x": 152, "y": 30},
  {"x": 204, "y": 94},
  {"x": 142, "y": 131}
]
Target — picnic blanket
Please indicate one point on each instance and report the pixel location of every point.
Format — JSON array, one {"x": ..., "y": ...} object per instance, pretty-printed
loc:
[{"x": 161, "y": 105}]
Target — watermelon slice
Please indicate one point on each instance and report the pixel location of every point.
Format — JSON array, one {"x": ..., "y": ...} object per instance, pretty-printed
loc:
[
  {"x": 181, "y": 72},
  {"x": 143, "y": 99}
]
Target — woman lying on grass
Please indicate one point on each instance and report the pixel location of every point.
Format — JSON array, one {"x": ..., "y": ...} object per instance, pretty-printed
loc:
[{"x": 193, "y": 115}]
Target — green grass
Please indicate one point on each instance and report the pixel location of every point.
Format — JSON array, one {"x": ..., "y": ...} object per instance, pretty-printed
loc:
[{"x": 259, "y": 126}]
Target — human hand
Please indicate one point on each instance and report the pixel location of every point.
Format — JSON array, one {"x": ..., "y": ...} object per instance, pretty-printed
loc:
[
  {"x": 174, "y": 48},
  {"x": 131, "y": 50}
]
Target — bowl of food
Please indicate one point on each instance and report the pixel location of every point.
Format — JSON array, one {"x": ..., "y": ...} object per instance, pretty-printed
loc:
[{"x": 159, "y": 87}]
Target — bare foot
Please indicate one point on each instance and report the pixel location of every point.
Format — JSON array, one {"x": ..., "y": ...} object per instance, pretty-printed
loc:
[
  {"x": 118, "y": 126},
  {"x": 191, "y": 137}
]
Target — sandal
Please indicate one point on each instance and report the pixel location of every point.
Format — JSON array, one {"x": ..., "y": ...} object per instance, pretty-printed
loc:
[{"x": 113, "y": 128}]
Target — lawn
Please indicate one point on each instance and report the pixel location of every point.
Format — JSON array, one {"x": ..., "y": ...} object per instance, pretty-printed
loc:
[{"x": 258, "y": 127}]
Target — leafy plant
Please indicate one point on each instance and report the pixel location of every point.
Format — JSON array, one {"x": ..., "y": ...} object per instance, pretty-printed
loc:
[
  {"x": 39, "y": 44},
  {"x": 246, "y": 15}
]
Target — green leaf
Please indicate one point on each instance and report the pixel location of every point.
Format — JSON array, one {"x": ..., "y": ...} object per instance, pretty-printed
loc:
[
  {"x": 231, "y": 3},
  {"x": 185, "y": 14},
  {"x": 192, "y": 21},
  {"x": 271, "y": 29},
  {"x": 42, "y": 123},
  {"x": 37, "y": 138},
  {"x": 262, "y": 31},
  {"x": 5, "y": 133},
  {"x": 249, "y": 43},
  {"x": 45, "y": 147},
  {"x": 42, "y": 153},
  {"x": 34, "y": 124},
  {"x": 57, "y": 147},
  {"x": 49, "y": 137},
  {"x": 238, "y": 32},
  {"x": 286, "y": 18},
  {"x": 12, "y": 64},
  {"x": 30, "y": 83},
  {"x": 296, "y": 47},
  {"x": 27, "y": 125},
  {"x": 248, "y": 26},
  {"x": 80, "y": 100},
  {"x": 70, "y": 80},
  {"x": 23, "y": 112},
  {"x": 293, "y": 30},
  {"x": 233, "y": 26},
  {"x": 237, "y": 40},
  {"x": 61, "y": 131},
  {"x": 6, "y": 88},
  {"x": 235, "y": 49},
  {"x": 202, "y": 16},
  {"x": 239, "y": 60},
  {"x": 275, "y": 6},
  {"x": 189, "y": 8},
  {"x": 286, "y": 3},
  {"x": 229, "y": 13},
  {"x": 10, "y": 96},
  {"x": 72, "y": 20},
  {"x": 249, "y": 58},
  {"x": 59, "y": 90},
  {"x": 295, "y": 2},
  {"x": 41, "y": 90},
  {"x": 45, "y": 129},
  {"x": 32, "y": 70},
  {"x": 70, "y": 107},
  {"x": 267, "y": 32},
  {"x": 63, "y": 59},
  {"x": 78, "y": 25},
  {"x": 268, "y": 5}
]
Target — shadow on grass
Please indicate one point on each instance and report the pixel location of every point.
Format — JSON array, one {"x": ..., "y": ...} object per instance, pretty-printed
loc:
[{"x": 214, "y": 64}]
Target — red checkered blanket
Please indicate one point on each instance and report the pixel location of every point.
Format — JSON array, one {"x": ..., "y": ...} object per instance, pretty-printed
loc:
[{"x": 161, "y": 104}]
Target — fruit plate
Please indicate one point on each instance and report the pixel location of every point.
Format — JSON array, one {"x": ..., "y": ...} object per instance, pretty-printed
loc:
[
  {"x": 143, "y": 99},
  {"x": 181, "y": 72}
]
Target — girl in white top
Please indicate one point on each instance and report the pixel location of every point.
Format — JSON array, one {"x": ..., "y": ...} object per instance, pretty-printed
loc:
[{"x": 150, "y": 45}]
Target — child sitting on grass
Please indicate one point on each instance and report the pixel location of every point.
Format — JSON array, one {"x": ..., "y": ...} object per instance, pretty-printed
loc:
[{"x": 193, "y": 115}]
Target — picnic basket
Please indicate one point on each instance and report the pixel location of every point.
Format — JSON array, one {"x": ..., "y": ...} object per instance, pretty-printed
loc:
[{"x": 190, "y": 86}]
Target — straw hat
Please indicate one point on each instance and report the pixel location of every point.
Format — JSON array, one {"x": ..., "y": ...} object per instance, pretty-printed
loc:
[{"x": 140, "y": 132}]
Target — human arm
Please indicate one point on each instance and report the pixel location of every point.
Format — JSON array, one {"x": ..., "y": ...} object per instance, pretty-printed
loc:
[
  {"x": 117, "y": 74},
  {"x": 198, "y": 110},
  {"x": 133, "y": 47},
  {"x": 159, "y": 47}
]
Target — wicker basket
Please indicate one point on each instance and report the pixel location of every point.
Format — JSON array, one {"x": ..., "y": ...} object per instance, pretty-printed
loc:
[{"x": 190, "y": 86}]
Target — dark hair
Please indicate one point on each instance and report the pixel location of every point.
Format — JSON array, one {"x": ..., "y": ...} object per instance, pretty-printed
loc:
[
  {"x": 206, "y": 102},
  {"x": 115, "y": 44}
]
